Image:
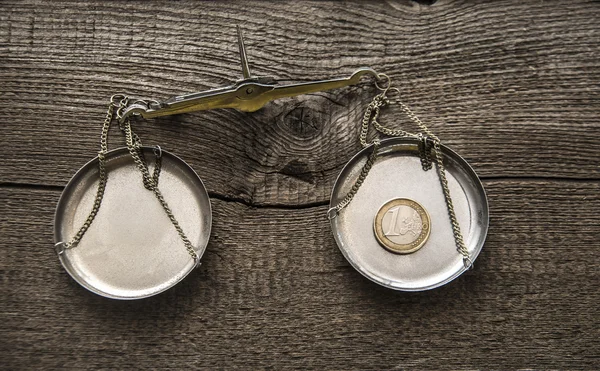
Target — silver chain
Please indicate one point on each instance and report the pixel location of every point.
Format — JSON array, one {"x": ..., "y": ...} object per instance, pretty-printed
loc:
[
  {"x": 428, "y": 143},
  {"x": 134, "y": 145},
  {"x": 334, "y": 211}
]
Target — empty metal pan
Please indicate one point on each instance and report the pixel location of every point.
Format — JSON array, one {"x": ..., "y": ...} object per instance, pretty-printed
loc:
[{"x": 132, "y": 249}]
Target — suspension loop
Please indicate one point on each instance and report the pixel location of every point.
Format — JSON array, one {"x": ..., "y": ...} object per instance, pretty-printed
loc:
[
  {"x": 123, "y": 104},
  {"x": 393, "y": 94},
  {"x": 116, "y": 100},
  {"x": 385, "y": 82}
]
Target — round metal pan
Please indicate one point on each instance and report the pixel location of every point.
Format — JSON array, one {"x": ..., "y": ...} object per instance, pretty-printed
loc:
[
  {"x": 397, "y": 173},
  {"x": 132, "y": 250}
]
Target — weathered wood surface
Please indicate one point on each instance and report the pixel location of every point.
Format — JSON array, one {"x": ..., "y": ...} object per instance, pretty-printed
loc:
[{"x": 513, "y": 86}]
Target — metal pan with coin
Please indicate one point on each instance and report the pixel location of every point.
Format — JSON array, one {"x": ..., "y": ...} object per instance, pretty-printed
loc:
[{"x": 396, "y": 230}]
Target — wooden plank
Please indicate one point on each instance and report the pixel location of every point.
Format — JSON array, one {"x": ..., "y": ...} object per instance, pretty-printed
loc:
[
  {"x": 274, "y": 291},
  {"x": 513, "y": 87}
]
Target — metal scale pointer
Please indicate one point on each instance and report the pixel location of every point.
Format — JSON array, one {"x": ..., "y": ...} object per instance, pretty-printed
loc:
[{"x": 248, "y": 94}]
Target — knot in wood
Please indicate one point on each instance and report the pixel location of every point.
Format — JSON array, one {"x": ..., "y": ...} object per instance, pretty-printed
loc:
[{"x": 303, "y": 121}]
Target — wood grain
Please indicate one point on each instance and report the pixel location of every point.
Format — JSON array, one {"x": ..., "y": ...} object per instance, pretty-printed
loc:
[
  {"x": 515, "y": 89},
  {"x": 284, "y": 295},
  {"x": 512, "y": 86}
]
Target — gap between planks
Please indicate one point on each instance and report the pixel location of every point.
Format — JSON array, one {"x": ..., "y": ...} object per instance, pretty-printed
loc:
[{"x": 240, "y": 200}]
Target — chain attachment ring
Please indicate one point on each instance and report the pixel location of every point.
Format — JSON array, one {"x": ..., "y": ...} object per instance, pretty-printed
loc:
[
  {"x": 157, "y": 151},
  {"x": 383, "y": 78},
  {"x": 60, "y": 247},
  {"x": 468, "y": 262},
  {"x": 332, "y": 213},
  {"x": 116, "y": 99}
]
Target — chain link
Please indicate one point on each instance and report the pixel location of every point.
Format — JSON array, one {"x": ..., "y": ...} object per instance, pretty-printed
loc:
[
  {"x": 332, "y": 213},
  {"x": 103, "y": 177},
  {"x": 134, "y": 146},
  {"x": 428, "y": 143},
  {"x": 458, "y": 238},
  {"x": 370, "y": 117}
]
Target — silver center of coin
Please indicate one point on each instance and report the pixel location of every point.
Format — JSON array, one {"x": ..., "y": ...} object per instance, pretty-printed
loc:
[{"x": 402, "y": 226}]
